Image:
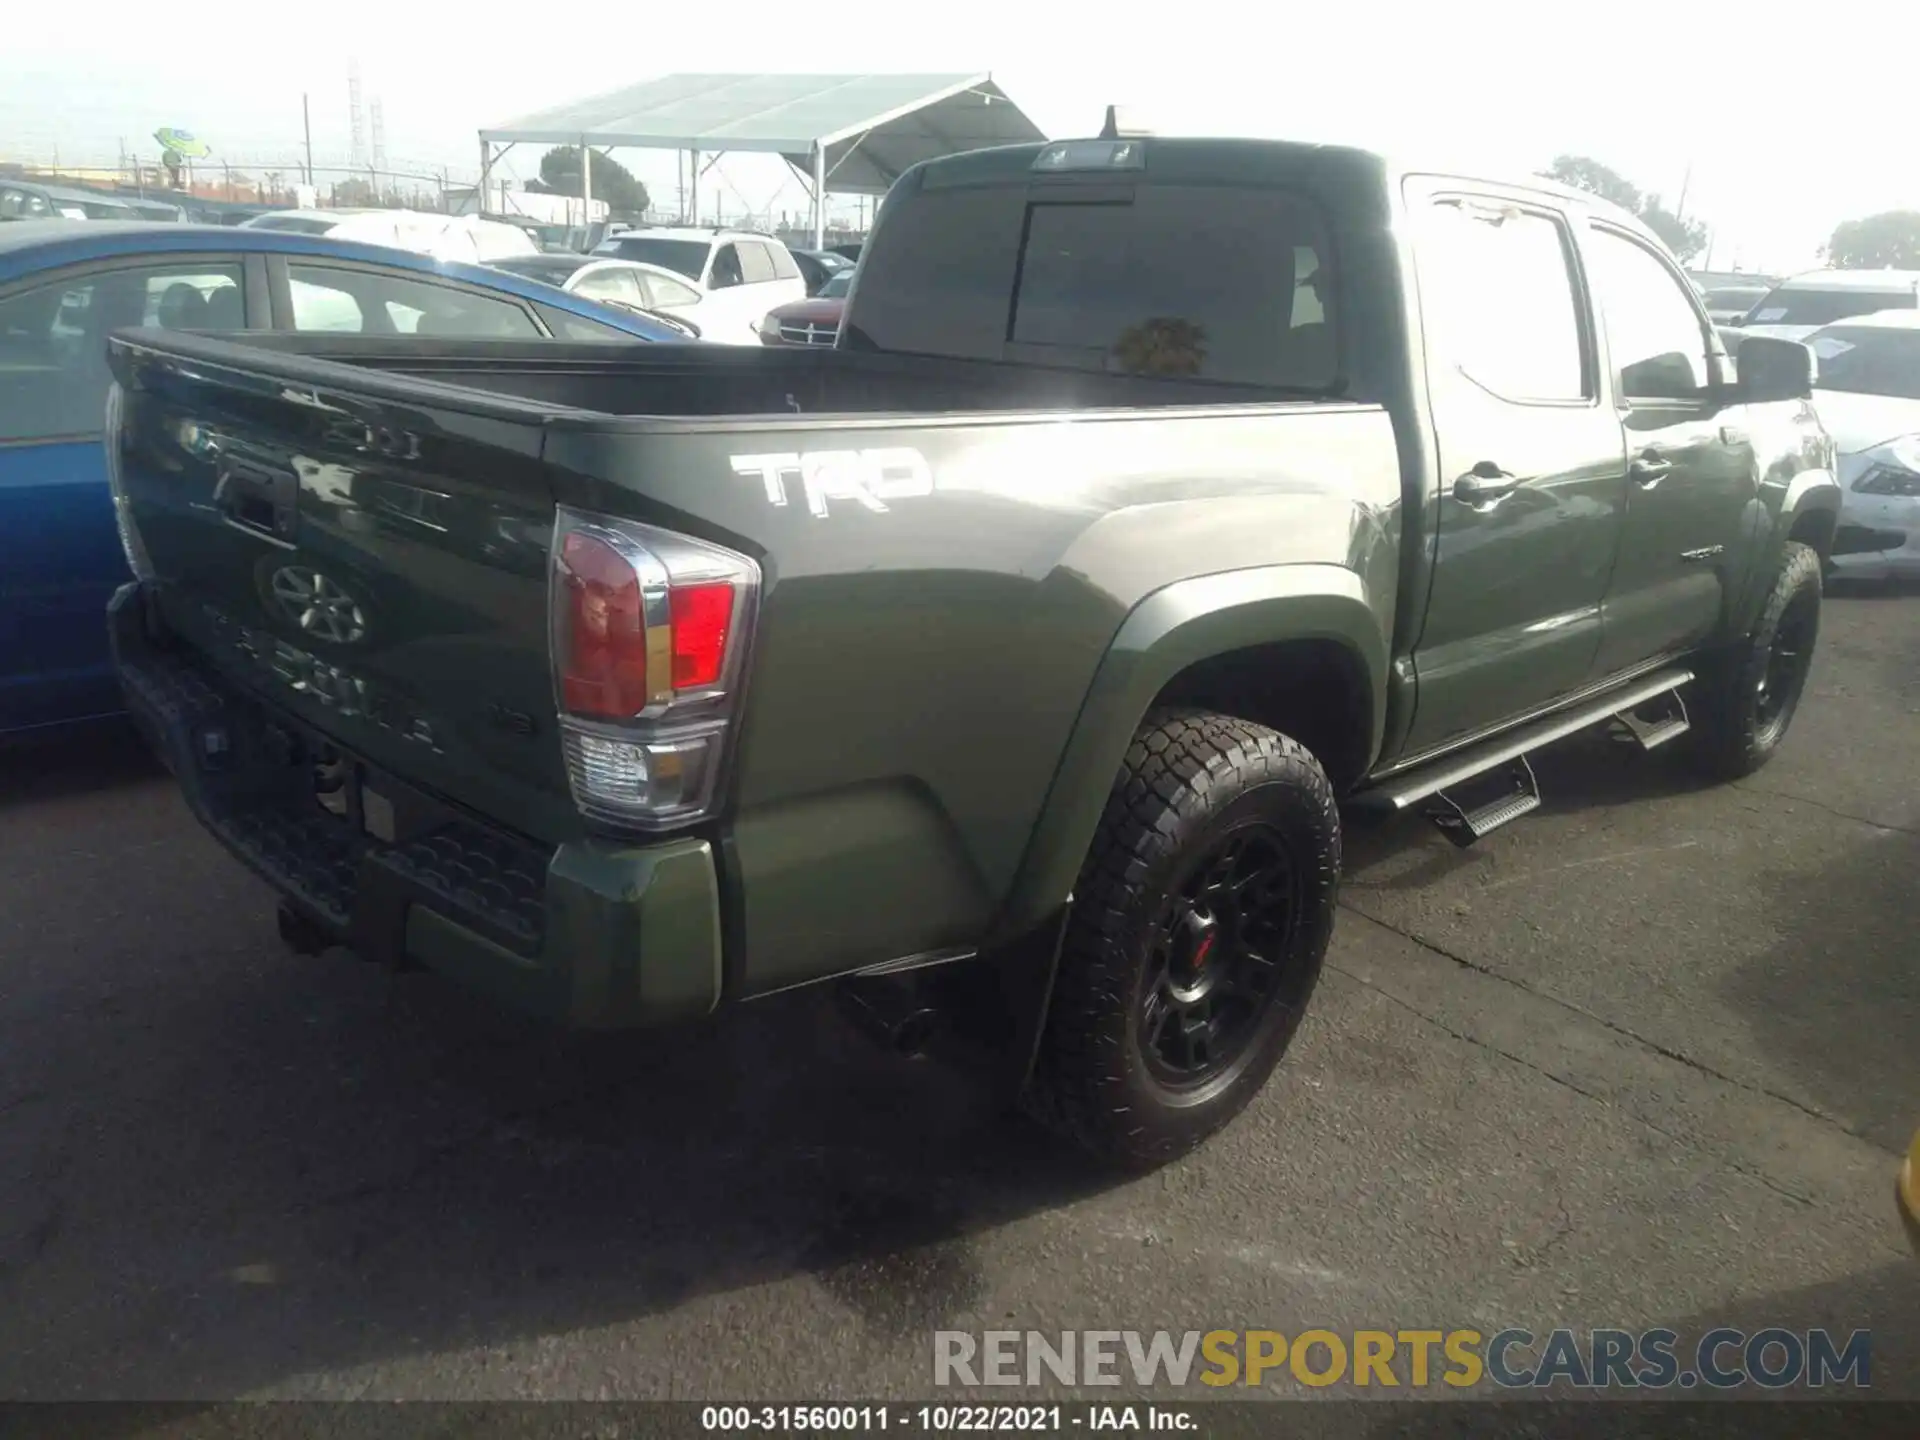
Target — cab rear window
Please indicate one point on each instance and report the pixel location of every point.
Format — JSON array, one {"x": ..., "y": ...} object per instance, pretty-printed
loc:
[{"x": 1201, "y": 282}]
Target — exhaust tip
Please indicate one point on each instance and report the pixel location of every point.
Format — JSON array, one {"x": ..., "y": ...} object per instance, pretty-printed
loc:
[{"x": 893, "y": 1013}]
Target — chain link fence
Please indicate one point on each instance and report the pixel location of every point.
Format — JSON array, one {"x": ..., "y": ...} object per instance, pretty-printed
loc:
[{"x": 227, "y": 190}]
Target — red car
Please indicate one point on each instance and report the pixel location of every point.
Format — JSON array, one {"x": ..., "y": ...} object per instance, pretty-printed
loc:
[{"x": 813, "y": 321}]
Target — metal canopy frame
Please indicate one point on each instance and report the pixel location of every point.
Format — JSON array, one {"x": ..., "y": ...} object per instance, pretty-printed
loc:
[{"x": 852, "y": 134}]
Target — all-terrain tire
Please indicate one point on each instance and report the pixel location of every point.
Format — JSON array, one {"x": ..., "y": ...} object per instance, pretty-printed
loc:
[
  {"x": 1194, "y": 785},
  {"x": 1746, "y": 698}
]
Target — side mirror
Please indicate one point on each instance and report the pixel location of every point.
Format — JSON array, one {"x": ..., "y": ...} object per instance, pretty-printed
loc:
[{"x": 1771, "y": 369}]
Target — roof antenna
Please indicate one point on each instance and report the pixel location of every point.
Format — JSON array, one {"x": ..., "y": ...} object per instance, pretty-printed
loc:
[{"x": 1121, "y": 125}]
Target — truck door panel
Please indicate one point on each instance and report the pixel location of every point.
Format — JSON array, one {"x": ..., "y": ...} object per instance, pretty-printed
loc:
[
  {"x": 1532, "y": 468},
  {"x": 1691, "y": 469}
]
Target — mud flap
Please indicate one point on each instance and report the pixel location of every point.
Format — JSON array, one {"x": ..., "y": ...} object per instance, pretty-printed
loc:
[{"x": 997, "y": 1008}]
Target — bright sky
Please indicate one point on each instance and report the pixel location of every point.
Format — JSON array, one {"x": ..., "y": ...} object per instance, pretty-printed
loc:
[{"x": 1784, "y": 132}]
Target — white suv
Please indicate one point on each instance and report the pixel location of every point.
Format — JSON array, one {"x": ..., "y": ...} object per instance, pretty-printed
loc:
[{"x": 741, "y": 274}]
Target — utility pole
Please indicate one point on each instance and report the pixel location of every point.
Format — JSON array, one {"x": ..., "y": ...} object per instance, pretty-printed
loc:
[{"x": 306, "y": 120}]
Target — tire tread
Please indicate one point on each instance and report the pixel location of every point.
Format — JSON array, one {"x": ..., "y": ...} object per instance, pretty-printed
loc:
[{"x": 1173, "y": 774}]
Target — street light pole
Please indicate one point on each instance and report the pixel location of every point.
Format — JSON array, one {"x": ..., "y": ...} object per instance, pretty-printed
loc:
[
  {"x": 306, "y": 121},
  {"x": 819, "y": 196}
]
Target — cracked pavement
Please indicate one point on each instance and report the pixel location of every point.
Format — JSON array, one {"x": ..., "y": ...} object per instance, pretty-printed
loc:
[{"x": 1644, "y": 1058}]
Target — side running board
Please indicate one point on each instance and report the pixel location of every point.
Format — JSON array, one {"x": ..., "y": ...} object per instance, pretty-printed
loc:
[{"x": 1517, "y": 793}]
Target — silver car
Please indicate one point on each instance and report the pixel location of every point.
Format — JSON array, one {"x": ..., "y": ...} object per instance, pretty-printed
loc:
[{"x": 1868, "y": 396}]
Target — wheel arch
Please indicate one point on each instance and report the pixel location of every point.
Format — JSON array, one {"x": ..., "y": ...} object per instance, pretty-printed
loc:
[
  {"x": 1809, "y": 514},
  {"x": 1216, "y": 641}
]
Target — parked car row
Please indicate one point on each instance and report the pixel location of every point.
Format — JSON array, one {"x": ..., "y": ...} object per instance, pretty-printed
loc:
[
  {"x": 1864, "y": 329},
  {"x": 737, "y": 275}
]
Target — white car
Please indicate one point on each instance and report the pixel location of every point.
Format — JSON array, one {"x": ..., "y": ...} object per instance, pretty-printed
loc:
[
  {"x": 466, "y": 238},
  {"x": 1868, "y": 396},
  {"x": 650, "y": 288},
  {"x": 740, "y": 274},
  {"x": 1797, "y": 307},
  {"x": 1729, "y": 304}
]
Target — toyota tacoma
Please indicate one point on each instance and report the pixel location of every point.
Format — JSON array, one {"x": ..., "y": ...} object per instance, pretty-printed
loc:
[{"x": 1015, "y": 658}]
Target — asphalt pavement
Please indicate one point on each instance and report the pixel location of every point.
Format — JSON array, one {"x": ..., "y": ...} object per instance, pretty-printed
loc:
[{"x": 1644, "y": 1058}]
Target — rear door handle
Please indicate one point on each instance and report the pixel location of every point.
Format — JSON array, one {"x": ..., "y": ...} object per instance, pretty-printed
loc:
[
  {"x": 1649, "y": 469},
  {"x": 1486, "y": 484}
]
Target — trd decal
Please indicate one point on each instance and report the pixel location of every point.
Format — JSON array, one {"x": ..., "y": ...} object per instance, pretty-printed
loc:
[{"x": 867, "y": 478}]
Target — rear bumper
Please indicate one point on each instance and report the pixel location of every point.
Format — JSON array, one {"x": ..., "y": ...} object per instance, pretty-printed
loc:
[{"x": 591, "y": 935}]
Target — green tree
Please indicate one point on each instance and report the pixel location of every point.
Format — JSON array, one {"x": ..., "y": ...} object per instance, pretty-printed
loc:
[
  {"x": 1590, "y": 175},
  {"x": 1874, "y": 242},
  {"x": 1686, "y": 238},
  {"x": 612, "y": 181}
]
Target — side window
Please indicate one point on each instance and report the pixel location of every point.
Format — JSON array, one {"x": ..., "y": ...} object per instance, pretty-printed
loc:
[
  {"x": 1308, "y": 308},
  {"x": 756, "y": 265},
  {"x": 613, "y": 283},
  {"x": 209, "y": 300},
  {"x": 53, "y": 353},
  {"x": 22, "y": 204},
  {"x": 662, "y": 291},
  {"x": 568, "y": 326},
  {"x": 51, "y": 384},
  {"x": 1658, "y": 344},
  {"x": 370, "y": 303},
  {"x": 1498, "y": 299},
  {"x": 726, "y": 268},
  {"x": 783, "y": 266}
]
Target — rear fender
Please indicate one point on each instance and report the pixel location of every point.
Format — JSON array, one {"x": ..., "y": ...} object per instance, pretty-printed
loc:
[{"x": 1172, "y": 629}]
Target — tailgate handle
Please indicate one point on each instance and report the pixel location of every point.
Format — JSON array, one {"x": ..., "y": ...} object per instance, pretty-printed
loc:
[{"x": 257, "y": 498}]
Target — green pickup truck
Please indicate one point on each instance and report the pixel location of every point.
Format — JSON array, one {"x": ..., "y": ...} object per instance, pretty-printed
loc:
[{"x": 1009, "y": 664}]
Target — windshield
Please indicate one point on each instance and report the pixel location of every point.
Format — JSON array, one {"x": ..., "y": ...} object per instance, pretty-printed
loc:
[
  {"x": 1788, "y": 306},
  {"x": 300, "y": 224},
  {"x": 1737, "y": 297},
  {"x": 554, "y": 269},
  {"x": 683, "y": 257},
  {"x": 837, "y": 287},
  {"x": 1868, "y": 360}
]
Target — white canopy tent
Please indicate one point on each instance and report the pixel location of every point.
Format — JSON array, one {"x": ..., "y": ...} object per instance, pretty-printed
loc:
[{"x": 852, "y": 134}]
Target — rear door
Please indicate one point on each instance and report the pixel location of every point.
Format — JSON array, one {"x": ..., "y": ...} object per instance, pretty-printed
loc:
[
  {"x": 729, "y": 300},
  {"x": 1690, "y": 463},
  {"x": 60, "y": 556},
  {"x": 1531, "y": 462}
]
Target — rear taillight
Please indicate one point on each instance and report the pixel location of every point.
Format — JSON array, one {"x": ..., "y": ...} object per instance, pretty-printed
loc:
[{"x": 649, "y": 632}]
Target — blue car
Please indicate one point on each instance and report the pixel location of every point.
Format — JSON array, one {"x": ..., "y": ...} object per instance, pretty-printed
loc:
[{"x": 64, "y": 286}]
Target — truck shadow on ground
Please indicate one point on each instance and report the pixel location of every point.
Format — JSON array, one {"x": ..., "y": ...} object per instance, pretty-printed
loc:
[{"x": 315, "y": 1172}]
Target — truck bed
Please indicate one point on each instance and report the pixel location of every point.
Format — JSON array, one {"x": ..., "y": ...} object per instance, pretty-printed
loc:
[{"x": 610, "y": 378}]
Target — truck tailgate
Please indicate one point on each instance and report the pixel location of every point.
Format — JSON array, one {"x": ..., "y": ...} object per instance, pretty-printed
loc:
[{"x": 358, "y": 551}]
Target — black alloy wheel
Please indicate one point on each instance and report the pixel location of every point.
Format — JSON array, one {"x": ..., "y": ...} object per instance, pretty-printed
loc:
[{"x": 1218, "y": 958}]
